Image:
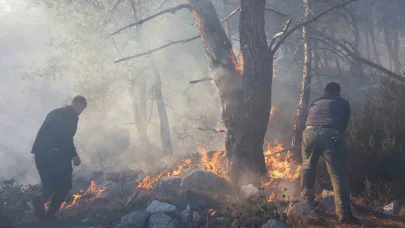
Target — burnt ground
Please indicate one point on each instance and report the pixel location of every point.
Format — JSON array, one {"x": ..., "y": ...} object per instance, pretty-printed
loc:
[{"x": 246, "y": 213}]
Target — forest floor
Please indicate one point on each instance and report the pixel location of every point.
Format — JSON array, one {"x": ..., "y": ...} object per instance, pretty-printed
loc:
[{"x": 102, "y": 214}]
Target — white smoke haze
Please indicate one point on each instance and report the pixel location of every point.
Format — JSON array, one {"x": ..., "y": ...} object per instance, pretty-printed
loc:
[
  {"x": 52, "y": 50},
  {"x": 48, "y": 55}
]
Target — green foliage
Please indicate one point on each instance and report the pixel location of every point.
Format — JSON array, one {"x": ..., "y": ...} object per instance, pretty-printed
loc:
[
  {"x": 14, "y": 200},
  {"x": 376, "y": 142}
]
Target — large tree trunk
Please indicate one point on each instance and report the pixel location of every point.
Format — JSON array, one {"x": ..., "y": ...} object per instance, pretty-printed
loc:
[
  {"x": 164, "y": 121},
  {"x": 245, "y": 94},
  {"x": 305, "y": 90}
]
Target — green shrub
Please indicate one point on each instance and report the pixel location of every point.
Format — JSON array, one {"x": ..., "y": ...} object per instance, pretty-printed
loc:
[{"x": 376, "y": 141}]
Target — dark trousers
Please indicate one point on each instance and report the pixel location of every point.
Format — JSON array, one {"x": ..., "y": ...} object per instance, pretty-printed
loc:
[
  {"x": 331, "y": 144},
  {"x": 55, "y": 171}
]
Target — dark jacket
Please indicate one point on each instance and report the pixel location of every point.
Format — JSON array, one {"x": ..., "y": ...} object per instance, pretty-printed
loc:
[
  {"x": 331, "y": 111},
  {"x": 58, "y": 131}
]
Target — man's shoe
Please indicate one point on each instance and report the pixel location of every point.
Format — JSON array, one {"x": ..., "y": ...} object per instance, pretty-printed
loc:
[
  {"x": 348, "y": 219},
  {"x": 39, "y": 207}
]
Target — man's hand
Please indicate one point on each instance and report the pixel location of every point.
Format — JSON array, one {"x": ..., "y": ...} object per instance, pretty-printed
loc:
[{"x": 77, "y": 161}]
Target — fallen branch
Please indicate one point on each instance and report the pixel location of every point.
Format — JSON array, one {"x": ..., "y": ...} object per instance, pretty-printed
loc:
[
  {"x": 283, "y": 151},
  {"x": 361, "y": 59},
  {"x": 298, "y": 26},
  {"x": 140, "y": 22},
  {"x": 158, "y": 48},
  {"x": 211, "y": 129}
]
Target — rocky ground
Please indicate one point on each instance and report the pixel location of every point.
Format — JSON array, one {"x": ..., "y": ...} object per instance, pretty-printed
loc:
[{"x": 199, "y": 199}]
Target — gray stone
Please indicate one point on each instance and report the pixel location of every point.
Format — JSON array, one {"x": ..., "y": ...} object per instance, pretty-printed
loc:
[
  {"x": 198, "y": 201},
  {"x": 187, "y": 217},
  {"x": 157, "y": 206},
  {"x": 136, "y": 219},
  {"x": 160, "y": 220},
  {"x": 249, "y": 190},
  {"x": 85, "y": 220},
  {"x": 393, "y": 208},
  {"x": 300, "y": 209},
  {"x": 168, "y": 183},
  {"x": 204, "y": 181},
  {"x": 274, "y": 223}
]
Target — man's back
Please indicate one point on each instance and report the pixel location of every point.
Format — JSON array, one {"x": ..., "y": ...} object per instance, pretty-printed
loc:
[
  {"x": 57, "y": 131},
  {"x": 332, "y": 111}
]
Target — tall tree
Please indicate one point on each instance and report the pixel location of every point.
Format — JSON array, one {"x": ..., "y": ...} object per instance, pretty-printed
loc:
[
  {"x": 303, "y": 102},
  {"x": 245, "y": 89}
]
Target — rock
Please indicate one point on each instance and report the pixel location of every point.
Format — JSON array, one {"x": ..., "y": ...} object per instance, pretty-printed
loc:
[
  {"x": 274, "y": 223},
  {"x": 136, "y": 219},
  {"x": 204, "y": 181},
  {"x": 393, "y": 208},
  {"x": 160, "y": 220},
  {"x": 157, "y": 206},
  {"x": 328, "y": 202},
  {"x": 301, "y": 209},
  {"x": 187, "y": 217},
  {"x": 85, "y": 220},
  {"x": 112, "y": 190},
  {"x": 196, "y": 200},
  {"x": 167, "y": 183},
  {"x": 249, "y": 190}
]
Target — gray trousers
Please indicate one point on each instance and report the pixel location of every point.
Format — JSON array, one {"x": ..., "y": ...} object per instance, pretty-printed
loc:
[{"x": 331, "y": 144}]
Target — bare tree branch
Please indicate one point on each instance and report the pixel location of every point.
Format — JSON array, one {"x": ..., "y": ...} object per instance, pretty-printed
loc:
[
  {"x": 158, "y": 48},
  {"x": 280, "y": 33},
  {"x": 361, "y": 59},
  {"x": 192, "y": 83},
  {"x": 201, "y": 80},
  {"x": 276, "y": 12},
  {"x": 231, "y": 14},
  {"x": 298, "y": 26},
  {"x": 140, "y": 22},
  {"x": 210, "y": 129}
]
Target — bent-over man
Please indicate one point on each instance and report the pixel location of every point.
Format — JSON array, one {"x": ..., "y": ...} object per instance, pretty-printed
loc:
[
  {"x": 54, "y": 152},
  {"x": 326, "y": 123}
]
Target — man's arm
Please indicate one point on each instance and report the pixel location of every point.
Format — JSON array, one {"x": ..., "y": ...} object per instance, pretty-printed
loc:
[{"x": 346, "y": 115}]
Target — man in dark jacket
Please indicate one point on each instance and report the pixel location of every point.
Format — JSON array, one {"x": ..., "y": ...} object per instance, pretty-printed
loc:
[
  {"x": 54, "y": 152},
  {"x": 326, "y": 123}
]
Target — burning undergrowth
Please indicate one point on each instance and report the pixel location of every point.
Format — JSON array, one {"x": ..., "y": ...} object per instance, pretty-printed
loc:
[{"x": 198, "y": 178}]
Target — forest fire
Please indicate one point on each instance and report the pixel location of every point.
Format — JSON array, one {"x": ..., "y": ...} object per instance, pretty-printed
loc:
[
  {"x": 89, "y": 195},
  {"x": 279, "y": 165}
]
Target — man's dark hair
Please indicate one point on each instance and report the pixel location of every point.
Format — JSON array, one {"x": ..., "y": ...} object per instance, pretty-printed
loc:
[
  {"x": 332, "y": 88},
  {"x": 79, "y": 99}
]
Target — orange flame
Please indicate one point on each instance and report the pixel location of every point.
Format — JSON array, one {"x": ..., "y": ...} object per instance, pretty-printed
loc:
[
  {"x": 212, "y": 212},
  {"x": 271, "y": 197},
  {"x": 215, "y": 163},
  {"x": 89, "y": 195},
  {"x": 272, "y": 110},
  {"x": 179, "y": 170},
  {"x": 280, "y": 165},
  {"x": 147, "y": 182}
]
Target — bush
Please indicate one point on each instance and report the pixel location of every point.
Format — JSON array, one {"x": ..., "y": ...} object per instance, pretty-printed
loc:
[
  {"x": 376, "y": 141},
  {"x": 14, "y": 201}
]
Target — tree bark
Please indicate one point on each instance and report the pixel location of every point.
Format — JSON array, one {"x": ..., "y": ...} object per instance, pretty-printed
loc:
[
  {"x": 245, "y": 94},
  {"x": 305, "y": 90}
]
